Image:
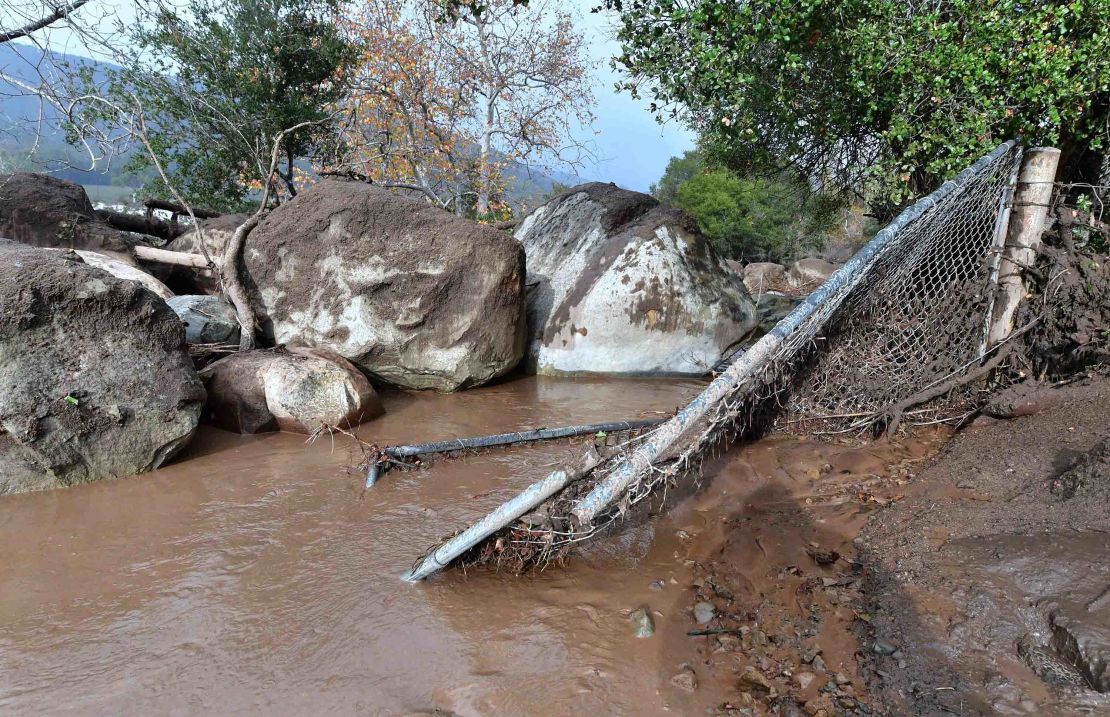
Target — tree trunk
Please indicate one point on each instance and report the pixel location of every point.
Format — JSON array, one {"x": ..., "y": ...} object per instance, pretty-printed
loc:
[
  {"x": 484, "y": 155},
  {"x": 233, "y": 284}
]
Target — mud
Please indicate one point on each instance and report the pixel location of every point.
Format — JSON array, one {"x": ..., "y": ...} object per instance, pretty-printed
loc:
[{"x": 991, "y": 578}]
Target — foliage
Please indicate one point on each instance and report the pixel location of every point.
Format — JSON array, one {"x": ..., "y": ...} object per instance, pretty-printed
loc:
[
  {"x": 679, "y": 170},
  {"x": 882, "y": 95},
  {"x": 444, "y": 106},
  {"x": 219, "y": 82},
  {"x": 749, "y": 218}
]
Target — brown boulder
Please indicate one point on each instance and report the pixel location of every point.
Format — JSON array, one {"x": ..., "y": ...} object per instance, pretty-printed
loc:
[
  {"x": 408, "y": 292},
  {"x": 296, "y": 390},
  {"x": 44, "y": 211},
  {"x": 95, "y": 378}
]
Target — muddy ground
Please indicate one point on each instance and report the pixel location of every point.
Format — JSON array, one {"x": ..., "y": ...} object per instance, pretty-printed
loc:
[{"x": 916, "y": 577}]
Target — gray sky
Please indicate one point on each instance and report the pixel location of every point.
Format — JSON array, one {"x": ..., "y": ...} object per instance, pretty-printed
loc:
[{"x": 631, "y": 148}]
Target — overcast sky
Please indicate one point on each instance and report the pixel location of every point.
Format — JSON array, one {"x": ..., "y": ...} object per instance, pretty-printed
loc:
[{"x": 631, "y": 148}]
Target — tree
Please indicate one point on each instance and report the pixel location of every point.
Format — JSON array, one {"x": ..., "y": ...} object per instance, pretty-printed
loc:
[
  {"x": 679, "y": 170},
  {"x": 750, "y": 218},
  {"x": 220, "y": 81},
  {"x": 887, "y": 96},
  {"x": 444, "y": 104}
]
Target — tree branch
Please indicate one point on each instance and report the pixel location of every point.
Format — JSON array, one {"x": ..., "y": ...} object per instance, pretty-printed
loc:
[{"x": 60, "y": 12}]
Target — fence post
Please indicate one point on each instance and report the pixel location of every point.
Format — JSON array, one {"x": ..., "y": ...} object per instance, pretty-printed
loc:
[{"x": 1023, "y": 237}]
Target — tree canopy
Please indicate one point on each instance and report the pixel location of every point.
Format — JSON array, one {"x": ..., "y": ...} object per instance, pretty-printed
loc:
[
  {"x": 220, "y": 82},
  {"x": 883, "y": 96},
  {"x": 749, "y": 218}
]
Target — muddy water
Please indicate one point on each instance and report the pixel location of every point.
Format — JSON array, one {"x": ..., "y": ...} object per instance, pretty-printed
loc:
[{"x": 253, "y": 576}]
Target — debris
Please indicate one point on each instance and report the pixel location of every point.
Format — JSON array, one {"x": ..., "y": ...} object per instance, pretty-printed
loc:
[
  {"x": 704, "y": 612},
  {"x": 685, "y": 680}
]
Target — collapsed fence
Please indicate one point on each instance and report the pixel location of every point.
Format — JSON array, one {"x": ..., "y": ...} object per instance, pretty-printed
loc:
[{"x": 907, "y": 322}]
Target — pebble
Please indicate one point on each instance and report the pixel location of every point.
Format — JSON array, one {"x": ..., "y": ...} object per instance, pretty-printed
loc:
[
  {"x": 842, "y": 679},
  {"x": 883, "y": 647},
  {"x": 754, "y": 682},
  {"x": 656, "y": 585},
  {"x": 819, "y": 664},
  {"x": 805, "y": 679},
  {"x": 685, "y": 680},
  {"x": 758, "y": 638},
  {"x": 642, "y": 623},
  {"x": 704, "y": 612}
]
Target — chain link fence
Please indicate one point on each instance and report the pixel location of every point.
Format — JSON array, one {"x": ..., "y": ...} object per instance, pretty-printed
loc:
[{"x": 895, "y": 335}]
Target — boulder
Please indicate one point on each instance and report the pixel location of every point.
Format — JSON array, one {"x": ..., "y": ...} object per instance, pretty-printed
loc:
[
  {"x": 216, "y": 233},
  {"x": 411, "y": 294},
  {"x": 207, "y": 319},
  {"x": 95, "y": 378},
  {"x": 295, "y": 390},
  {"x": 44, "y": 211},
  {"x": 809, "y": 273},
  {"x": 122, "y": 270},
  {"x": 764, "y": 276},
  {"x": 619, "y": 284}
]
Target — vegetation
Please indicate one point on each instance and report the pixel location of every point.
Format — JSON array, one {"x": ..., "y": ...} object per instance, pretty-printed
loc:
[
  {"x": 444, "y": 107},
  {"x": 749, "y": 218},
  {"x": 217, "y": 85},
  {"x": 885, "y": 97}
]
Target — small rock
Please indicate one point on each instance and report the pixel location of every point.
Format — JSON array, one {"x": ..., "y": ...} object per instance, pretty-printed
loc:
[
  {"x": 882, "y": 647},
  {"x": 657, "y": 585},
  {"x": 685, "y": 680},
  {"x": 819, "y": 664},
  {"x": 842, "y": 679},
  {"x": 642, "y": 623},
  {"x": 704, "y": 612},
  {"x": 754, "y": 682},
  {"x": 805, "y": 679},
  {"x": 758, "y": 638},
  {"x": 820, "y": 707}
]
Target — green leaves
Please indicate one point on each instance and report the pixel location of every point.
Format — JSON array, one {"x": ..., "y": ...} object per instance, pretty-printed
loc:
[{"x": 878, "y": 96}]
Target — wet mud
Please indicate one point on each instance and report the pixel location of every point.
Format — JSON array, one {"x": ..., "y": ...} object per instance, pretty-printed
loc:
[{"x": 803, "y": 577}]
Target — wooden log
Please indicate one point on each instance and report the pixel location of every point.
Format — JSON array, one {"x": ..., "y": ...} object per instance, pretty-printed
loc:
[
  {"x": 141, "y": 224},
  {"x": 509, "y": 511},
  {"x": 175, "y": 258},
  {"x": 1023, "y": 237},
  {"x": 500, "y": 439},
  {"x": 176, "y": 208}
]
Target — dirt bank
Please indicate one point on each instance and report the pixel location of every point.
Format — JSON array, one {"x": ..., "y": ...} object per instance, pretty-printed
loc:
[
  {"x": 991, "y": 577},
  {"x": 918, "y": 577}
]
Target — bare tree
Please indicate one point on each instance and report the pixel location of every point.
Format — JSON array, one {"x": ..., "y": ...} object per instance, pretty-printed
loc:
[{"x": 444, "y": 103}]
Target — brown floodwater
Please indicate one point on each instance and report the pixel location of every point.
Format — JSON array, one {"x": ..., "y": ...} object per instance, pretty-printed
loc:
[{"x": 254, "y": 575}]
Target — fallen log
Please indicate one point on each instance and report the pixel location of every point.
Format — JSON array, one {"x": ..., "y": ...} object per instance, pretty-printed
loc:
[
  {"x": 532, "y": 496},
  {"x": 392, "y": 454},
  {"x": 175, "y": 208},
  {"x": 141, "y": 224},
  {"x": 175, "y": 258}
]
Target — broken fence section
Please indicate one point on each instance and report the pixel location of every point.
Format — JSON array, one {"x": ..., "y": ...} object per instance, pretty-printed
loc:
[{"x": 908, "y": 313}]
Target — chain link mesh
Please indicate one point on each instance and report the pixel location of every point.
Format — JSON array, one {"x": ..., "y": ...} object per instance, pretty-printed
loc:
[{"x": 909, "y": 313}]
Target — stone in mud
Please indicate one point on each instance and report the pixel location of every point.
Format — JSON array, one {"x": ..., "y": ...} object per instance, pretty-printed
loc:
[
  {"x": 95, "y": 378},
  {"x": 408, "y": 292},
  {"x": 296, "y": 390},
  {"x": 1024, "y": 399},
  {"x": 123, "y": 270},
  {"x": 763, "y": 276},
  {"x": 207, "y": 319},
  {"x": 809, "y": 273},
  {"x": 642, "y": 623},
  {"x": 753, "y": 682},
  {"x": 704, "y": 612},
  {"x": 621, "y": 285},
  {"x": 685, "y": 680},
  {"x": 44, "y": 211},
  {"x": 216, "y": 232}
]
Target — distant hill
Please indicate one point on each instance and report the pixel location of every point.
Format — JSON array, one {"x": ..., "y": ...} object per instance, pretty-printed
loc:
[{"x": 19, "y": 116}]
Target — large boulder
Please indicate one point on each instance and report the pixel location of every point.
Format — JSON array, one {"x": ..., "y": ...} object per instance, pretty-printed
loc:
[
  {"x": 619, "y": 284},
  {"x": 44, "y": 211},
  {"x": 809, "y": 273},
  {"x": 207, "y": 319},
  {"x": 95, "y": 378},
  {"x": 763, "y": 276},
  {"x": 410, "y": 293},
  {"x": 296, "y": 390}
]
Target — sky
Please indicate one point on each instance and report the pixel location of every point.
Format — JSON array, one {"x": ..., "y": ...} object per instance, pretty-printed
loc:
[{"x": 630, "y": 148}]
